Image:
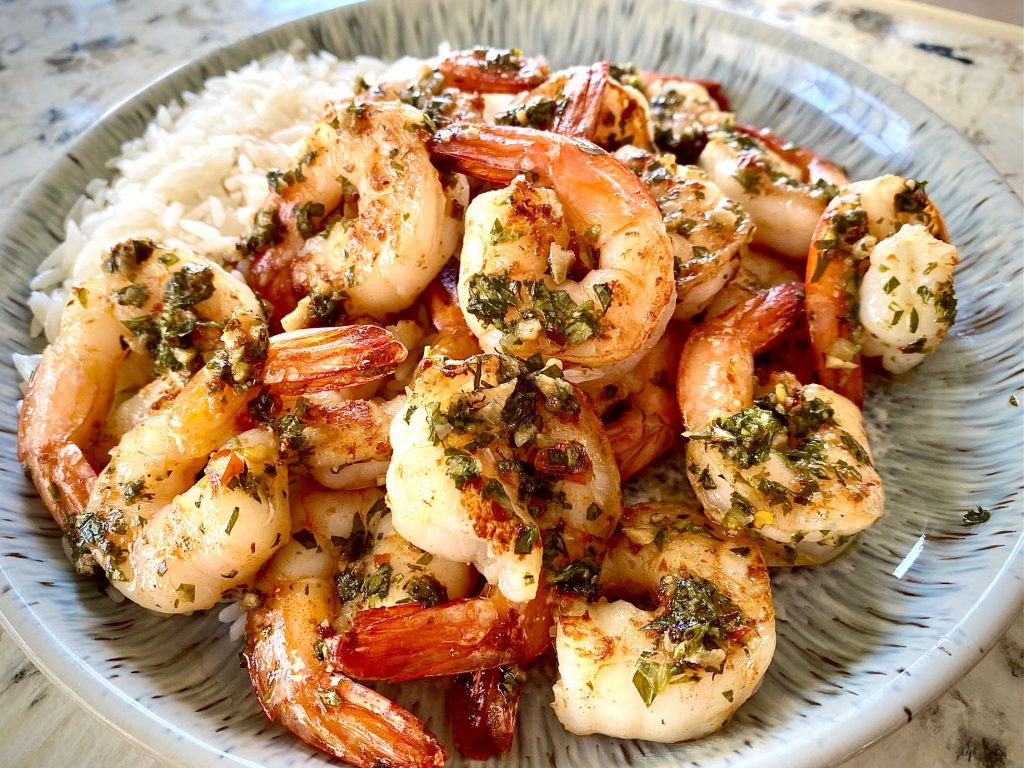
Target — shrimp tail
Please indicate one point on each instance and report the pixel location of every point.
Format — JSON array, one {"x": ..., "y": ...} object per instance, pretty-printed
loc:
[
  {"x": 336, "y": 714},
  {"x": 499, "y": 153},
  {"x": 493, "y": 70},
  {"x": 765, "y": 317},
  {"x": 584, "y": 94},
  {"x": 74, "y": 478},
  {"x": 639, "y": 438},
  {"x": 407, "y": 642},
  {"x": 491, "y": 153},
  {"x": 716, "y": 369},
  {"x": 829, "y": 317},
  {"x": 482, "y": 709},
  {"x": 316, "y": 359}
]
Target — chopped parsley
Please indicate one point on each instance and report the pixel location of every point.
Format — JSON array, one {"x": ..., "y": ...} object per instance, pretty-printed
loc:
[
  {"x": 651, "y": 678},
  {"x": 697, "y": 616},
  {"x": 426, "y": 590},
  {"x": 462, "y": 467},
  {"x": 126, "y": 256},
  {"x": 493, "y": 297},
  {"x": 266, "y": 230},
  {"x": 134, "y": 491},
  {"x": 846, "y": 228},
  {"x": 306, "y": 217},
  {"x": 355, "y": 581},
  {"x": 580, "y": 577},
  {"x": 134, "y": 295},
  {"x": 976, "y": 516},
  {"x": 525, "y": 539},
  {"x": 912, "y": 199},
  {"x": 746, "y": 437}
]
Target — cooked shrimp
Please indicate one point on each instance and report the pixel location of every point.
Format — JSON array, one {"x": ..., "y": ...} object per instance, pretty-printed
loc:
[
  {"x": 470, "y": 85},
  {"x": 408, "y": 642},
  {"x": 473, "y": 85},
  {"x": 482, "y": 704},
  {"x": 358, "y": 225},
  {"x": 136, "y": 407},
  {"x": 585, "y": 102},
  {"x": 639, "y": 412},
  {"x": 382, "y": 569},
  {"x": 492, "y": 70},
  {"x": 514, "y": 283},
  {"x": 679, "y": 671},
  {"x": 151, "y": 311},
  {"x": 454, "y": 338},
  {"x": 881, "y": 247},
  {"x": 792, "y": 466},
  {"x": 709, "y": 232},
  {"x": 346, "y": 443},
  {"x": 296, "y": 685},
  {"x": 758, "y": 272},
  {"x": 782, "y": 190},
  {"x": 489, "y": 453},
  {"x": 683, "y": 111},
  {"x": 482, "y": 708},
  {"x": 175, "y": 544}
]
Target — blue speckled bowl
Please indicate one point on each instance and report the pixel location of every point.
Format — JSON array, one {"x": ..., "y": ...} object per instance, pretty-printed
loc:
[{"x": 863, "y": 643}]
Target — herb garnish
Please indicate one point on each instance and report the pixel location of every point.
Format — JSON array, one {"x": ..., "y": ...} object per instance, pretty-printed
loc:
[{"x": 976, "y": 516}]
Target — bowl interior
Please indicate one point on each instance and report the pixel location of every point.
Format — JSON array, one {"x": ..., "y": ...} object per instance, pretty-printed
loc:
[{"x": 862, "y": 642}]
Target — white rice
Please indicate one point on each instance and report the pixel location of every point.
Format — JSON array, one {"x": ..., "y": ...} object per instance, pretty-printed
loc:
[
  {"x": 198, "y": 174},
  {"x": 233, "y": 614}
]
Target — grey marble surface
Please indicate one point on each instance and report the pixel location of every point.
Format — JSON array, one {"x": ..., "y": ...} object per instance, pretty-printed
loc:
[{"x": 63, "y": 64}]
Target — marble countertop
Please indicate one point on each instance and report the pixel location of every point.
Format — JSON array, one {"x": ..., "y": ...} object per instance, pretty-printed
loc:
[{"x": 63, "y": 64}]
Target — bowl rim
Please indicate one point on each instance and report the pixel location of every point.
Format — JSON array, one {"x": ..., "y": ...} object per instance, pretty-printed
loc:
[{"x": 951, "y": 656}]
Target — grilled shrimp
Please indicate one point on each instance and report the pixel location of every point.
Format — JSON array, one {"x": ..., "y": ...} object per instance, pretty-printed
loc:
[
  {"x": 784, "y": 189},
  {"x": 790, "y": 466},
  {"x": 454, "y": 339},
  {"x": 489, "y": 453},
  {"x": 683, "y": 111},
  {"x": 588, "y": 103},
  {"x": 173, "y": 543},
  {"x": 492, "y": 70},
  {"x": 639, "y": 412},
  {"x": 514, "y": 282},
  {"x": 358, "y": 224},
  {"x": 881, "y": 246},
  {"x": 150, "y": 314},
  {"x": 346, "y": 443},
  {"x": 382, "y": 569},
  {"x": 679, "y": 671},
  {"x": 709, "y": 232},
  {"x": 345, "y": 559},
  {"x": 285, "y": 641},
  {"x": 469, "y": 85},
  {"x": 758, "y": 271}
]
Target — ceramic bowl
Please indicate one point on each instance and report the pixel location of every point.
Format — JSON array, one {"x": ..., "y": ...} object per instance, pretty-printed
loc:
[{"x": 863, "y": 643}]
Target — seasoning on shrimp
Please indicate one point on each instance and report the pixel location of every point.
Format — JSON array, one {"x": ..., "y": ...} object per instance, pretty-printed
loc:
[
  {"x": 879, "y": 281},
  {"x": 487, "y": 452},
  {"x": 790, "y": 466},
  {"x": 363, "y": 217},
  {"x": 709, "y": 232},
  {"x": 783, "y": 190},
  {"x": 515, "y": 237},
  {"x": 679, "y": 671}
]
